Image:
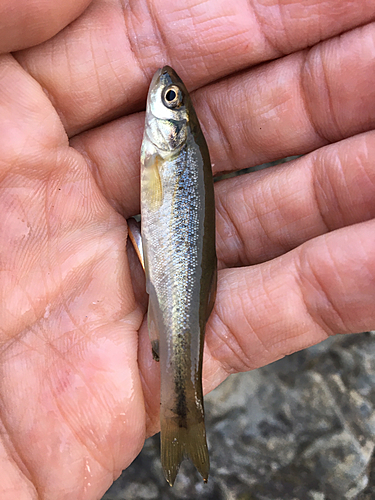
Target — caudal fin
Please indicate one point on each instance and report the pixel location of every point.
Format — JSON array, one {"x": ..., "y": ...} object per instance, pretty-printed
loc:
[{"x": 178, "y": 442}]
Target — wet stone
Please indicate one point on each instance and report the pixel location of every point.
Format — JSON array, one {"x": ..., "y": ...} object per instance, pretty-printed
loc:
[{"x": 301, "y": 428}]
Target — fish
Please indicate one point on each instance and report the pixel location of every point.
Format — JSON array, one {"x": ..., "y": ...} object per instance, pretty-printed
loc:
[{"x": 179, "y": 258}]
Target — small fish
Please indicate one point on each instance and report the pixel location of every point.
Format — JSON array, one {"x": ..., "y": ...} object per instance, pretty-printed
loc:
[{"x": 178, "y": 237}]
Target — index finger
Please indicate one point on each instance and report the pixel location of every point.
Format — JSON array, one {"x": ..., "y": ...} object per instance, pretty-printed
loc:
[
  {"x": 28, "y": 22},
  {"x": 98, "y": 68}
]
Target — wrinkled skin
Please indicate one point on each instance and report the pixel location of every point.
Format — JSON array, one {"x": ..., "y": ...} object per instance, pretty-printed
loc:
[{"x": 296, "y": 243}]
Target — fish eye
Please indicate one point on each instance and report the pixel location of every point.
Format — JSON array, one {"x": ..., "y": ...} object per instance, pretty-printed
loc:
[{"x": 172, "y": 97}]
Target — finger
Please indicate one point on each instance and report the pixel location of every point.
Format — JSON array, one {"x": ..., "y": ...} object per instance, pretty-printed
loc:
[
  {"x": 255, "y": 117},
  {"x": 262, "y": 313},
  {"x": 264, "y": 214},
  {"x": 29, "y": 125},
  {"x": 25, "y": 23},
  {"x": 113, "y": 153},
  {"x": 114, "y": 50},
  {"x": 293, "y": 105}
]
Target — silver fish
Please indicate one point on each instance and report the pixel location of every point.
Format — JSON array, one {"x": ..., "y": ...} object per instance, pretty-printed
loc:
[{"x": 178, "y": 236}]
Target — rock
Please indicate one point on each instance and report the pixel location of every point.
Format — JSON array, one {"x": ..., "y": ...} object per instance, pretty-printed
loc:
[{"x": 300, "y": 429}]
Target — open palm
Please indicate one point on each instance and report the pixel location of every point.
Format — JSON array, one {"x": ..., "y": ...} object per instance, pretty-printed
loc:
[{"x": 79, "y": 388}]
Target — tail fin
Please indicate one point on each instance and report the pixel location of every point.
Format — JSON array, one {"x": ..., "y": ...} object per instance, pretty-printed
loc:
[{"x": 178, "y": 442}]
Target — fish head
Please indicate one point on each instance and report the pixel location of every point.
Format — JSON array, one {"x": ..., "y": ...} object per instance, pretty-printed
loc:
[{"x": 168, "y": 111}]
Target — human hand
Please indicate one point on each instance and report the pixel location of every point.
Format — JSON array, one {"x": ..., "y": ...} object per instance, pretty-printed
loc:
[{"x": 79, "y": 387}]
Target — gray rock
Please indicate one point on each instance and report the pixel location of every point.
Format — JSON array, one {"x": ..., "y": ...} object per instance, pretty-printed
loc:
[{"x": 301, "y": 428}]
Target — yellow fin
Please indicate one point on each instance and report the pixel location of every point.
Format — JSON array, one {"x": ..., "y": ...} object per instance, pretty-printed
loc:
[{"x": 153, "y": 185}]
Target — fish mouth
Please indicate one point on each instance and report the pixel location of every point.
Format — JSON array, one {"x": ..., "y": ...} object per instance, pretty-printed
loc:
[
  {"x": 164, "y": 77},
  {"x": 169, "y": 73}
]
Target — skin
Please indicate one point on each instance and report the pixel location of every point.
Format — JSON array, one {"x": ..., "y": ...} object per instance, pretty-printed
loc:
[{"x": 79, "y": 388}]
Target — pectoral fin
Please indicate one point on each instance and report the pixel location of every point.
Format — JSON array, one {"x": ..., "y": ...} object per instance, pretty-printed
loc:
[
  {"x": 151, "y": 180},
  {"x": 136, "y": 239},
  {"x": 134, "y": 228}
]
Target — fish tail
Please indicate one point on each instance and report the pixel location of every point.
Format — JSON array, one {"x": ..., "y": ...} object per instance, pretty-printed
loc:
[{"x": 178, "y": 442}]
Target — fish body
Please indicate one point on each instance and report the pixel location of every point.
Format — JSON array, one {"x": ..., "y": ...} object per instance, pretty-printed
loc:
[{"x": 178, "y": 236}]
